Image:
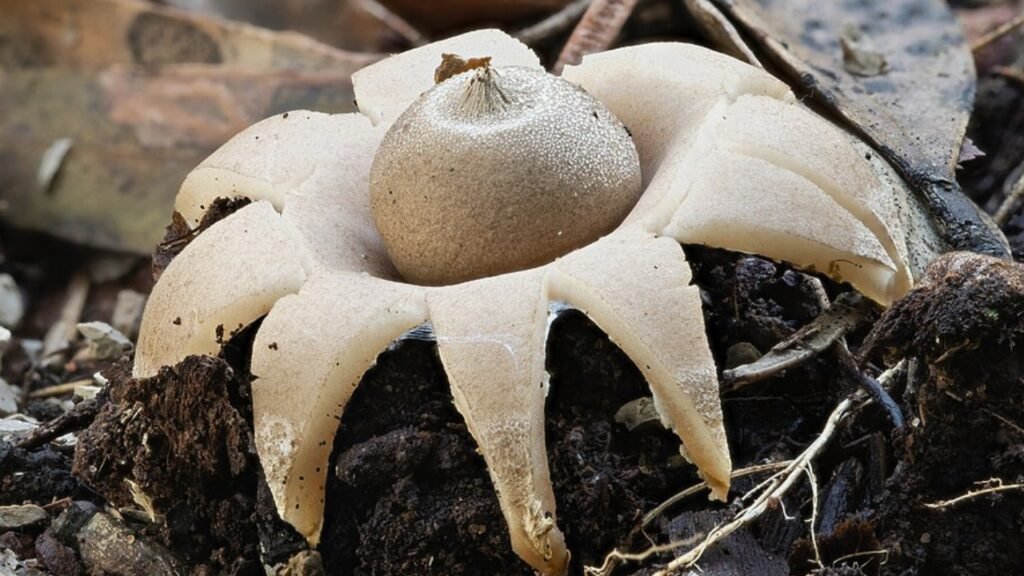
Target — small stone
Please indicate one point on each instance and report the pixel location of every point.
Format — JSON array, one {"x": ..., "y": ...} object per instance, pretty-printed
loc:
[
  {"x": 15, "y": 425},
  {"x": 5, "y": 339},
  {"x": 9, "y": 397},
  {"x": 12, "y": 308},
  {"x": 637, "y": 412},
  {"x": 21, "y": 517},
  {"x": 8, "y": 561},
  {"x": 105, "y": 343},
  {"x": 127, "y": 315},
  {"x": 20, "y": 544},
  {"x": 304, "y": 563},
  {"x": 58, "y": 558},
  {"x": 741, "y": 353},
  {"x": 108, "y": 546},
  {"x": 68, "y": 524},
  {"x": 32, "y": 348}
]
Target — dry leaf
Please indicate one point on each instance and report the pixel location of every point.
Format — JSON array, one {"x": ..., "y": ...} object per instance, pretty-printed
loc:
[
  {"x": 914, "y": 110},
  {"x": 84, "y": 72},
  {"x": 440, "y": 15},
  {"x": 340, "y": 23}
]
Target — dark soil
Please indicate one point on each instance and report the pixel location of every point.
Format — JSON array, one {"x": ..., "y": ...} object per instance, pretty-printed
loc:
[
  {"x": 411, "y": 484},
  {"x": 605, "y": 476},
  {"x": 967, "y": 328},
  {"x": 200, "y": 476},
  {"x": 36, "y": 475}
]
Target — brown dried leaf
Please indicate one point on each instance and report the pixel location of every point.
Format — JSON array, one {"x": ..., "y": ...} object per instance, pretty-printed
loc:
[
  {"x": 340, "y": 23},
  {"x": 95, "y": 33},
  {"x": 136, "y": 135},
  {"x": 439, "y": 15},
  {"x": 143, "y": 94},
  {"x": 914, "y": 109}
]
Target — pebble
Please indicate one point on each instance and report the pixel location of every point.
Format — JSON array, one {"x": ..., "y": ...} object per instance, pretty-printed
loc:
[
  {"x": 21, "y": 517},
  {"x": 12, "y": 308},
  {"x": 9, "y": 395},
  {"x": 5, "y": 340},
  {"x": 108, "y": 546},
  {"x": 58, "y": 558},
  {"x": 305, "y": 563},
  {"x": 105, "y": 343}
]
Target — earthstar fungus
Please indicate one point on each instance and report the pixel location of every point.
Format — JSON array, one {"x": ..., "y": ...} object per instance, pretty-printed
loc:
[{"x": 727, "y": 158}]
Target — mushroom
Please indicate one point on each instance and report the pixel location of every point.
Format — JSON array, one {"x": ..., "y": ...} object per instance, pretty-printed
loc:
[
  {"x": 495, "y": 171},
  {"x": 728, "y": 158}
]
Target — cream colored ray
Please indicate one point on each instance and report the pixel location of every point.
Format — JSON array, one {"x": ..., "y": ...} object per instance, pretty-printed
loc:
[
  {"x": 726, "y": 209},
  {"x": 385, "y": 89},
  {"x": 794, "y": 139},
  {"x": 637, "y": 289},
  {"x": 663, "y": 92},
  {"x": 309, "y": 355},
  {"x": 490, "y": 335},
  {"x": 747, "y": 111},
  {"x": 224, "y": 280},
  {"x": 312, "y": 166}
]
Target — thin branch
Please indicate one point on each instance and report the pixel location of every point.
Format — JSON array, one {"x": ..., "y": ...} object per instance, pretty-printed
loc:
[
  {"x": 615, "y": 557},
  {"x": 396, "y": 23},
  {"x": 1016, "y": 427},
  {"x": 998, "y": 33},
  {"x": 80, "y": 416},
  {"x": 697, "y": 488},
  {"x": 554, "y": 24},
  {"x": 773, "y": 494},
  {"x": 1011, "y": 73},
  {"x": 60, "y": 389},
  {"x": 813, "y": 481},
  {"x": 993, "y": 486},
  {"x": 849, "y": 311},
  {"x": 1016, "y": 195},
  {"x": 596, "y": 31}
]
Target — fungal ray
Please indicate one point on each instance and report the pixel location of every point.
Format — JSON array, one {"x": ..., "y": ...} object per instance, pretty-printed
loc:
[
  {"x": 227, "y": 278},
  {"x": 491, "y": 336},
  {"x": 654, "y": 314},
  {"x": 737, "y": 138},
  {"x": 308, "y": 356}
]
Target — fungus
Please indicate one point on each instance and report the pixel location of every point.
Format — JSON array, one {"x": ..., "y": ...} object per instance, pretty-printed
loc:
[
  {"x": 496, "y": 170},
  {"x": 727, "y": 157}
]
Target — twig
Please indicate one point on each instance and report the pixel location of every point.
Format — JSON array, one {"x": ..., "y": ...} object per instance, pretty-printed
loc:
[
  {"x": 998, "y": 33},
  {"x": 596, "y": 31},
  {"x": 813, "y": 481},
  {"x": 696, "y": 488},
  {"x": 393, "y": 21},
  {"x": 992, "y": 486},
  {"x": 58, "y": 389},
  {"x": 62, "y": 331},
  {"x": 554, "y": 24},
  {"x": 615, "y": 557},
  {"x": 1015, "y": 195},
  {"x": 80, "y": 416},
  {"x": 849, "y": 311},
  {"x": 773, "y": 493},
  {"x": 869, "y": 384},
  {"x": 1011, "y": 73},
  {"x": 1016, "y": 427},
  {"x": 774, "y": 490}
]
